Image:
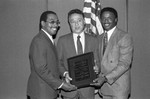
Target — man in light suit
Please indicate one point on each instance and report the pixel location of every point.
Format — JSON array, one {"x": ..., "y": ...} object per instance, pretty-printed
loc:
[
  {"x": 116, "y": 60},
  {"x": 67, "y": 47},
  {"x": 44, "y": 78}
]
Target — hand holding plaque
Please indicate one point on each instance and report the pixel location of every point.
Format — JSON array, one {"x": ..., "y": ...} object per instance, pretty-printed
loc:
[
  {"x": 96, "y": 68},
  {"x": 67, "y": 78},
  {"x": 68, "y": 87},
  {"x": 99, "y": 81},
  {"x": 81, "y": 69}
]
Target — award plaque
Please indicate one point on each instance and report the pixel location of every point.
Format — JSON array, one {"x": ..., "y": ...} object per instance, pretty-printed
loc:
[{"x": 81, "y": 69}]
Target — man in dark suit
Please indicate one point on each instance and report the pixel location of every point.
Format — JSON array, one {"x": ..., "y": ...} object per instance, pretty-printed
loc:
[
  {"x": 116, "y": 52},
  {"x": 67, "y": 47},
  {"x": 44, "y": 78}
]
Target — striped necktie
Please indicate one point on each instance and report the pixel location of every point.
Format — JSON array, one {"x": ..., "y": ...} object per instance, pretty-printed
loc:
[
  {"x": 79, "y": 45},
  {"x": 105, "y": 41}
]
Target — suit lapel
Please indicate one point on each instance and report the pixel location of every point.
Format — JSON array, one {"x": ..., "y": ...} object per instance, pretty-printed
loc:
[
  {"x": 110, "y": 44},
  {"x": 101, "y": 45},
  {"x": 49, "y": 42},
  {"x": 46, "y": 37},
  {"x": 86, "y": 43},
  {"x": 71, "y": 44}
]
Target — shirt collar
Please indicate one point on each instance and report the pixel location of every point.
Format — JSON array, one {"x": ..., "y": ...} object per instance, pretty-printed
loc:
[
  {"x": 82, "y": 39},
  {"x": 110, "y": 32},
  {"x": 49, "y": 36},
  {"x": 76, "y": 34}
]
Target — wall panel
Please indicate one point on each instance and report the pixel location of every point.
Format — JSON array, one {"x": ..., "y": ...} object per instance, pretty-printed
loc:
[
  {"x": 62, "y": 7},
  {"x": 19, "y": 21}
]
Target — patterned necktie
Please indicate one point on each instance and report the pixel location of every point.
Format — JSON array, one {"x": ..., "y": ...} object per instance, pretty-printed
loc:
[
  {"x": 105, "y": 41},
  {"x": 79, "y": 45}
]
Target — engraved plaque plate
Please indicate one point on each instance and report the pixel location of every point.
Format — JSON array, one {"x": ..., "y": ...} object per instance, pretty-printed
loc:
[{"x": 81, "y": 69}]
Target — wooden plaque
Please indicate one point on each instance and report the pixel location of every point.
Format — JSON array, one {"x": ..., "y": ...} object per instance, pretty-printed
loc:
[{"x": 81, "y": 69}]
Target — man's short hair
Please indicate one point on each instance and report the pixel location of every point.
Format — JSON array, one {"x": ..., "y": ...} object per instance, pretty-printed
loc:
[
  {"x": 109, "y": 9},
  {"x": 77, "y": 11}
]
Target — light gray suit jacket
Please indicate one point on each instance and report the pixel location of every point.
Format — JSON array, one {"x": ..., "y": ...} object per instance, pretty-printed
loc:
[{"x": 116, "y": 64}]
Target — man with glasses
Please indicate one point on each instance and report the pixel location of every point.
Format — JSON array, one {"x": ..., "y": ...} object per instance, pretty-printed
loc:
[
  {"x": 44, "y": 79},
  {"x": 75, "y": 43}
]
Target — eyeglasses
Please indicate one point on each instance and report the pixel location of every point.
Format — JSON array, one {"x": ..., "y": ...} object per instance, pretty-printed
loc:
[{"x": 53, "y": 22}]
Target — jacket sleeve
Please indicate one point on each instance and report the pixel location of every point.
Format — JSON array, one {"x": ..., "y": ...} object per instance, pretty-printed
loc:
[
  {"x": 96, "y": 53},
  {"x": 124, "y": 60},
  {"x": 61, "y": 58}
]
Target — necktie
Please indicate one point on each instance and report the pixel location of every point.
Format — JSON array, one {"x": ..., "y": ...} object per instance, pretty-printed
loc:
[
  {"x": 79, "y": 45},
  {"x": 105, "y": 41}
]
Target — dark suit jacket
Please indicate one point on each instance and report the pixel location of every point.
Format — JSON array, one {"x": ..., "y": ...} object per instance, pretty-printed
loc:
[
  {"x": 115, "y": 64},
  {"x": 44, "y": 77},
  {"x": 66, "y": 49}
]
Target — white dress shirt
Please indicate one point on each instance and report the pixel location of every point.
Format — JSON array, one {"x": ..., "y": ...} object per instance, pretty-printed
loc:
[
  {"x": 109, "y": 33},
  {"x": 82, "y": 40}
]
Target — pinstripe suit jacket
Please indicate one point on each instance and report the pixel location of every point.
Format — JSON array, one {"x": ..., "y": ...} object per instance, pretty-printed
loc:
[{"x": 44, "y": 77}]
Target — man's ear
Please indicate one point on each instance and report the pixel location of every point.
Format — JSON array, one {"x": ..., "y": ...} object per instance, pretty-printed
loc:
[
  {"x": 116, "y": 20},
  {"x": 42, "y": 23},
  {"x": 84, "y": 21}
]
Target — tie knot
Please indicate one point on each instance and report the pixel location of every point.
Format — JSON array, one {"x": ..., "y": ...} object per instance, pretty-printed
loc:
[
  {"x": 78, "y": 36},
  {"x": 105, "y": 35}
]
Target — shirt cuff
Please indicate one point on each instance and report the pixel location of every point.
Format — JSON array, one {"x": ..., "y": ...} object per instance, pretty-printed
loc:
[
  {"x": 65, "y": 73},
  {"x": 61, "y": 85}
]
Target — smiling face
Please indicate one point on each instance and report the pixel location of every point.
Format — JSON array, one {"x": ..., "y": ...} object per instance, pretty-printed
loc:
[
  {"x": 108, "y": 20},
  {"x": 51, "y": 24},
  {"x": 76, "y": 22}
]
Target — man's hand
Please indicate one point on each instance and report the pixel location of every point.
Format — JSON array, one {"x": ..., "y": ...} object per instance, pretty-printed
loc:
[
  {"x": 96, "y": 68},
  {"x": 67, "y": 78},
  {"x": 68, "y": 87},
  {"x": 99, "y": 81}
]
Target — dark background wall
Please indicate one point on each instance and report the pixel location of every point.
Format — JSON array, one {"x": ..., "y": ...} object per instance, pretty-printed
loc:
[{"x": 19, "y": 20}]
